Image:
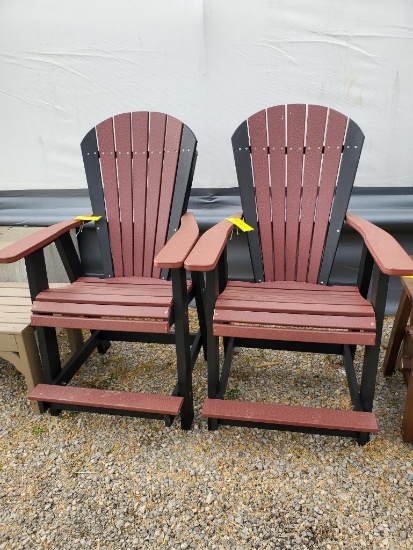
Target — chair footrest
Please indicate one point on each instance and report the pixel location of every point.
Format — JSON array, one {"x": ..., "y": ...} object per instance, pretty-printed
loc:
[
  {"x": 265, "y": 413},
  {"x": 117, "y": 400}
]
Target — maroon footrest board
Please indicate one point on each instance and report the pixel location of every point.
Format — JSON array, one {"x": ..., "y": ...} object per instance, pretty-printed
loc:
[
  {"x": 117, "y": 400},
  {"x": 266, "y": 413}
]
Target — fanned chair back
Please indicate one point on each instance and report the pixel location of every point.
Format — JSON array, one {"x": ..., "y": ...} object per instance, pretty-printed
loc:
[
  {"x": 296, "y": 166},
  {"x": 137, "y": 167}
]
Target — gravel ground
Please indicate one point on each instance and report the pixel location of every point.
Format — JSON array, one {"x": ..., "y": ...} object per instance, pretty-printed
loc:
[{"x": 105, "y": 482}]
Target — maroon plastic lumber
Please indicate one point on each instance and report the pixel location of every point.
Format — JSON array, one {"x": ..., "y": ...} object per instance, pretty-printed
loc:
[
  {"x": 93, "y": 323},
  {"x": 175, "y": 251},
  {"x": 89, "y": 297},
  {"x": 170, "y": 164},
  {"x": 140, "y": 129},
  {"x": 157, "y": 129},
  {"x": 205, "y": 254},
  {"x": 99, "y": 310},
  {"x": 295, "y": 335},
  {"x": 118, "y": 400},
  {"x": 277, "y": 144},
  {"x": 105, "y": 136},
  {"x": 295, "y": 152},
  {"x": 123, "y": 144},
  {"x": 316, "y": 121},
  {"x": 292, "y": 416},
  {"x": 35, "y": 241},
  {"x": 386, "y": 251},
  {"x": 336, "y": 128},
  {"x": 257, "y": 126}
]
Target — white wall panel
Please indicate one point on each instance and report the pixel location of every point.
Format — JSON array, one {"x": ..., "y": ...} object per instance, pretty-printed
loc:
[{"x": 64, "y": 66}]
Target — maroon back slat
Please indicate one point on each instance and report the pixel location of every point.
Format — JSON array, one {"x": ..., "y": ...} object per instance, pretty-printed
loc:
[
  {"x": 170, "y": 163},
  {"x": 316, "y": 122},
  {"x": 140, "y": 127},
  {"x": 334, "y": 140},
  {"x": 122, "y": 124},
  {"x": 277, "y": 143},
  {"x": 104, "y": 132},
  {"x": 295, "y": 145},
  {"x": 157, "y": 127},
  {"x": 257, "y": 125}
]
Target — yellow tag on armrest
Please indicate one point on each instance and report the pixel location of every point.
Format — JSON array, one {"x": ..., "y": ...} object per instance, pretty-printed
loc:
[
  {"x": 88, "y": 218},
  {"x": 241, "y": 224},
  {"x": 407, "y": 276}
]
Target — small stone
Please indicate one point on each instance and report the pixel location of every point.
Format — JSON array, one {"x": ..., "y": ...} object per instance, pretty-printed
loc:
[
  {"x": 209, "y": 498},
  {"x": 119, "y": 523}
]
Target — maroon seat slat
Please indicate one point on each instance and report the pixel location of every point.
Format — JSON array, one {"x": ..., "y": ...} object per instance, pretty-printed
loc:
[
  {"x": 292, "y": 416},
  {"x": 295, "y": 335},
  {"x": 94, "y": 323},
  {"x": 293, "y": 319},
  {"x": 128, "y": 290},
  {"x": 283, "y": 306},
  {"x": 314, "y": 297},
  {"x": 119, "y": 299},
  {"x": 117, "y": 400},
  {"x": 125, "y": 280},
  {"x": 99, "y": 310},
  {"x": 293, "y": 285}
]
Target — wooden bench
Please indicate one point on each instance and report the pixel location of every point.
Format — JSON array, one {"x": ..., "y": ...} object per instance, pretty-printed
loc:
[{"x": 17, "y": 338}]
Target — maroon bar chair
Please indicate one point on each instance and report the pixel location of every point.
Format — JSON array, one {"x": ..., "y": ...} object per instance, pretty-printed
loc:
[
  {"x": 139, "y": 169},
  {"x": 296, "y": 166}
]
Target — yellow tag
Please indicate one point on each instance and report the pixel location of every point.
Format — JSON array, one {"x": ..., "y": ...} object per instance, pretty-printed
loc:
[
  {"x": 241, "y": 224},
  {"x": 407, "y": 276},
  {"x": 88, "y": 218}
]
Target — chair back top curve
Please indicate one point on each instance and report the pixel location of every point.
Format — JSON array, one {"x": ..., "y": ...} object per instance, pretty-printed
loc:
[
  {"x": 139, "y": 168},
  {"x": 296, "y": 166}
]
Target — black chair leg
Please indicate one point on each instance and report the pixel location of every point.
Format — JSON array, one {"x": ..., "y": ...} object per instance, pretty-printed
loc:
[{"x": 183, "y": 347}]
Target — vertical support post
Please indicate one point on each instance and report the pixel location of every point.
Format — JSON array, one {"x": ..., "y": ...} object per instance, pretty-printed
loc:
[
  {"x": 371, "y": 353},
  {"x": 69, "y": 257},
  {"x": 222, "y": 283},
  {"x": 198, "y": 285},
  {"x": 365, "y": 271},
  {"x": 48, "y": 346},
  {"x": 211, "y": 293},
  {"x": 182, "y": 342},
  {"x": 404, "y": 311}
]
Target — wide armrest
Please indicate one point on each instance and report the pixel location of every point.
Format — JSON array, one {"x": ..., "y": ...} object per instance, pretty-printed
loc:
[
  {"x": 35, "y": 241},
  {"x": 178, "y": 247},
  {"x": 205, "y": 255},
  {"x": 386, "y": 251}
]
